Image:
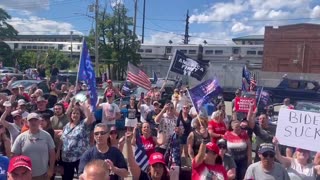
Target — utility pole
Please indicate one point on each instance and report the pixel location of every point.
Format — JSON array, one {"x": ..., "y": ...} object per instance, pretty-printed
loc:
[
  {"x": 135, "y": 18},
  {"x": 186, "y": 32},
  {"x": 96, "y": 45},
  {"x": 71, "y": 33},
  {"x": 143, "y": 20}
]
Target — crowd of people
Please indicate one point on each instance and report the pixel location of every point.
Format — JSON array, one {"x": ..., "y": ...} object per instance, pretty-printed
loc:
[{"x": 42, "y": 138}]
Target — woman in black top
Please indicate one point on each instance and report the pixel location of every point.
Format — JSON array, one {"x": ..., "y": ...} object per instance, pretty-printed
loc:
[
  {"x": 184, "y": 121},
  {"x": 131, "y": 120},
  {"x": 195, "y": 138}
]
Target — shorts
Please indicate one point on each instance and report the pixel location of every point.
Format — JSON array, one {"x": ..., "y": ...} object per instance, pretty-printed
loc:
[
  {"x": 183, "y": 139},
  {"x": 131, "y": 122}
]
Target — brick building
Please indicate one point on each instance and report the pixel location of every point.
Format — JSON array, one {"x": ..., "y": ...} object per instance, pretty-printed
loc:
[{"x": 292, "y": 48}]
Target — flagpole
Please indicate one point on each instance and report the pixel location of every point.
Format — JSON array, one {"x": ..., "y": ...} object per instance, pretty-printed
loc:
[
  {"x": 172, "y": 59},
  {"x": 191, "y": 100},
  {"x": 79, "y": 65}
]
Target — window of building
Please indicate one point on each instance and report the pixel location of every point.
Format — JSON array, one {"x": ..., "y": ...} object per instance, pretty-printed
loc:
[
  {"x": 251, "y": 52},
  {"x": 235, "y": 50},
  {"x": 260, "y": 53},
  {"x": 60, "y": 47},
  {"x": 69, "y": 48},
  {"x": 192, "y": 52},
  {"x": 28, "y": 47},
  {"x": 140, "y": 50},
  {"x": 148, "y": 50},
  {"x": 78, "y": 47},
  {"x": 24, "y": 47},
  {"x": 184, "y": 51},
  {"x": 45, "y": 47},
  {"x": 168, "y": 49},
  {"x": 218, "y": 52},
  {"x": 40, "y": 47},
  {"x": 208, "y": 52}
]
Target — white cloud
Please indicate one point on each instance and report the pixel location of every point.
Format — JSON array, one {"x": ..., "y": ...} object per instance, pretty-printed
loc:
[
  {"x": 113, "y": 3},
  {"x": 219, "y": 12},
  {"x": 315, "y": 13},
  {"x": 278, "y": 4},
  {"x": 240, "y": 27},
  {"x": 25, "y": 5},
  {"x": 278, "y": 14},
  {"x": 36, "y": 25}
]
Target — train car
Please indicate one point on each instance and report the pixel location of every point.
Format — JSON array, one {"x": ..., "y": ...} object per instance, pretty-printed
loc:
[
  {"x": 43, "y": 46},
  {"x": 232, "y": 52},
  {"x": 167, "y": 51}
]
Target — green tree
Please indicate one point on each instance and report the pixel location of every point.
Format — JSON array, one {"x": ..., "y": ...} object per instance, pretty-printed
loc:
[
  {"x": 31, "y": 59},
  {"x": 6, "y": 31},
  {"x": 58, "y": 58},
  {"x": 27, "y": 59},
  {"x": 116, "y": 40}
]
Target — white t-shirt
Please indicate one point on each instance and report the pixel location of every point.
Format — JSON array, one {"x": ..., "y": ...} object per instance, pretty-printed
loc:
[
  {"x": 144, "y": 110},
  {"x": 296, "y": 172},
  {"x": 167, "y": 126},
  {"x": 109, "y": 111}
]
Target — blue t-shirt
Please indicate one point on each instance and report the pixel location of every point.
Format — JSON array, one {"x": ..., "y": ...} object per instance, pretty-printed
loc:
[
  {"x": 113, "y": 154},
  {"x": 4, "y": 163},
  {"x": 210, "y": 108}
]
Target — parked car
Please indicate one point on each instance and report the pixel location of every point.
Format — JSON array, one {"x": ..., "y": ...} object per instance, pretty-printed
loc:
[
  {"x": 308, "y": 106},
  {"x": 18, "y": 76},
  {"x": 42, "y": 84}
]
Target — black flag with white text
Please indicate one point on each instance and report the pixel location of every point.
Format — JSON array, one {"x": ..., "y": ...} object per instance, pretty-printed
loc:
[{"x": 184, "y": 65}]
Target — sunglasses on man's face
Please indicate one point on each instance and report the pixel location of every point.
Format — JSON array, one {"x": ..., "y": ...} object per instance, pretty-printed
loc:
[
  {"x": 100, "y": 133},
  {"x": 268, "y": 154},
  {"x": 222, "y": 147}
]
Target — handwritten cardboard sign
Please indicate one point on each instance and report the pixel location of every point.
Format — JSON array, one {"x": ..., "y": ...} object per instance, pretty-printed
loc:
[
  {"x": 243, "y": 104},
  {"x": 299, "y": 129}
]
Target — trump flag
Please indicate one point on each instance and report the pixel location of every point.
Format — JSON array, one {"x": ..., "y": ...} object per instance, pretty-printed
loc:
[
  {"x": 86, "y": 73},
  {"x": 204, "y": 92}
]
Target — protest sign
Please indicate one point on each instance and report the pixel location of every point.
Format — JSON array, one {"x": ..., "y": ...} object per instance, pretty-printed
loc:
[
  {"x": 243, "y": 104},
  {"x": 299, "y": 129}
]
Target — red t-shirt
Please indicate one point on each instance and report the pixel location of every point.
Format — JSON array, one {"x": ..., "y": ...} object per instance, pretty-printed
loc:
[
  {"x": 149, "y": 145},
  {"x": 205, "y": 171},
  {"x": 237, "y": 144},
  {"x": 218, "y": 128}
]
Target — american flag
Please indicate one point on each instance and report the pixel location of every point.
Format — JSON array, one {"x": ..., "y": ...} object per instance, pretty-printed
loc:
[
  {"x": 138, "y": 77},
  {"x": 253, "y": 82},
  {"x": 140, "y": 153}
]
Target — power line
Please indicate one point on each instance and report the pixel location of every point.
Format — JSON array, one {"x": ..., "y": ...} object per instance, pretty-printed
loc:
[
  {"x": 26, "y": 5},
  {"x": 42, "y": 19},
  {"x": 249, "y": 20}
]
